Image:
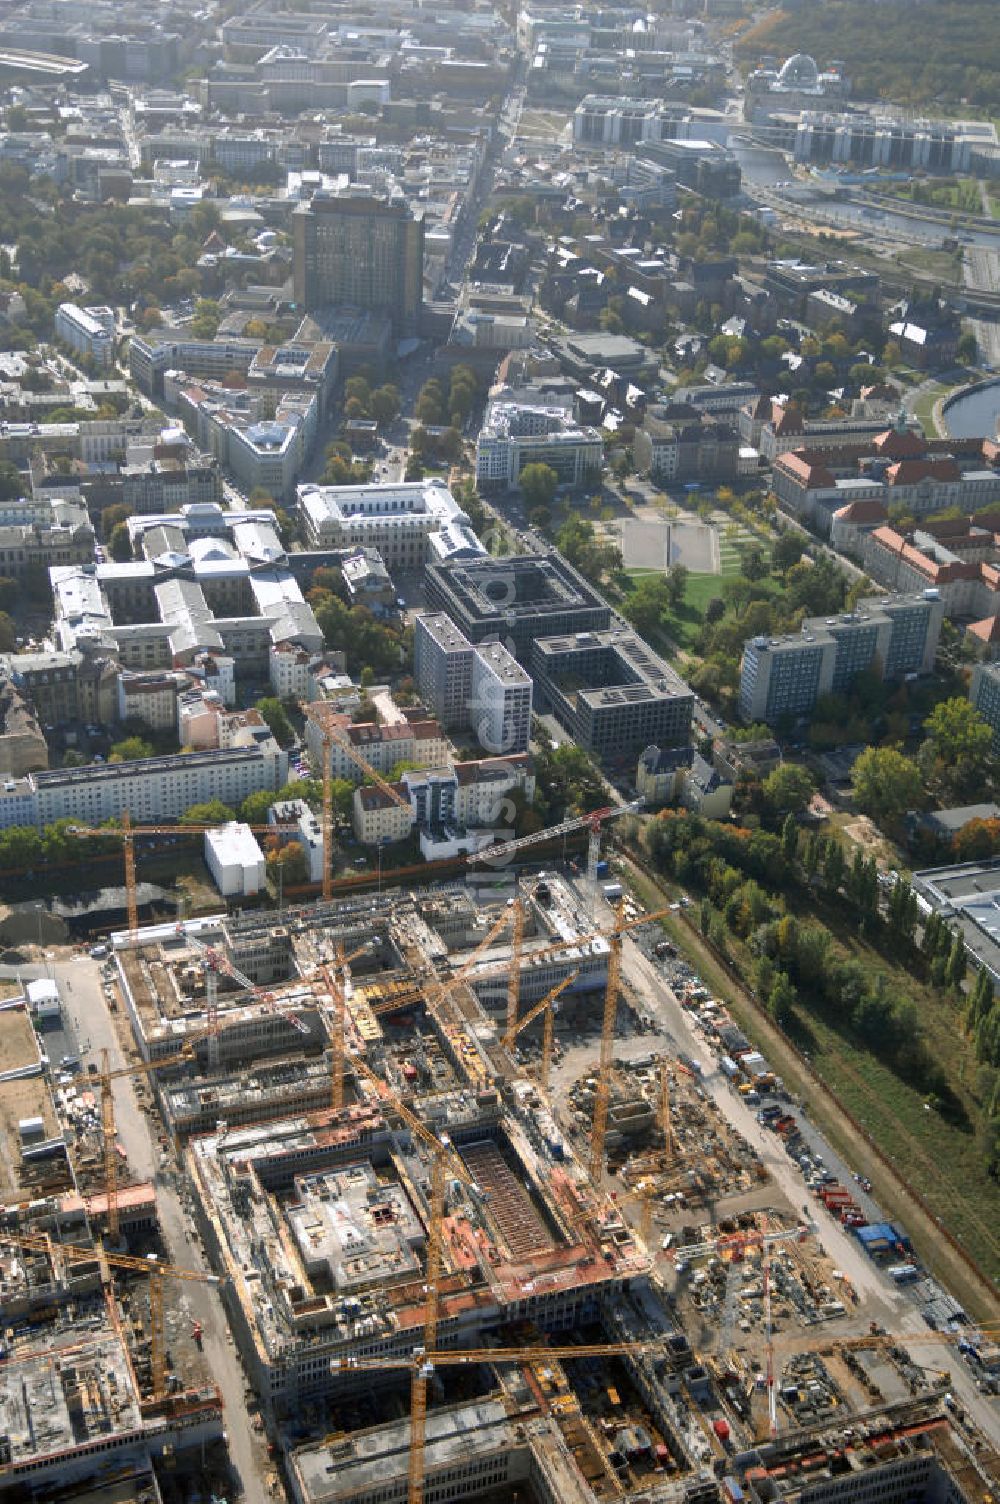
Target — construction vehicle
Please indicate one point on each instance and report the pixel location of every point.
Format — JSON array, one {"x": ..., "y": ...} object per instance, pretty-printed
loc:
[{"x": 155, "y": 1271}]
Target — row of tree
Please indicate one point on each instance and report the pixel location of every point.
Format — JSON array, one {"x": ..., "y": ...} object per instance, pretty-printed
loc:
[
  {"x": 436, "y": 407},
  {"x": 362, "y": 401},
  {"x": 797, "y": 966}
]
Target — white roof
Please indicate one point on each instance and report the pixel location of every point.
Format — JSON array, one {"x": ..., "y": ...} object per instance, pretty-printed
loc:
[
  {"x": 234, "y": 845},
  {"x": 430, "y": 499}
]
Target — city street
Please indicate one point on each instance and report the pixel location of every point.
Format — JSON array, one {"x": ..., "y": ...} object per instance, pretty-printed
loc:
[
  {"x": 80, "y": 986},
  {"x": 879, "y": 1298},
  {"x": 981, "y": 270}
]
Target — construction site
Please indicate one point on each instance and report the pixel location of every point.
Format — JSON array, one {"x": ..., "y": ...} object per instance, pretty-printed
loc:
[{"x": 396, "y": 1198}]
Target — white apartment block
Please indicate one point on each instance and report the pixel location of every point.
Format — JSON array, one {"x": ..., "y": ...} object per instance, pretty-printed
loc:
[
  {"x": 891, "y": 635},
  {"x": 442, "y": 667},
  {"x": 500, "y": 705},
  {"x": 296, "y": 674},
  {"x": 91, "y": 331},
  {"x": 449, "y": 804},
  {"x": 235, "y": 860},
  {"x": 410, "y": 523},
  {"x": 481, "y": 686},
  {"x": 151, "y": 698},
  {"x": 378, "y": 819},
  {"x": 263, "y": 443},
  {"x": 519, "y": 434},
  {"x": 151, "y": 356},
  {"x": 95, "y": 441},
  {"x": 268, "y": 455},
  {"x": 882, "y": 140},
  {"x": 199, "y": 714},
  {"x": 421, "y": 742},
  {"x": 483, "y": 789},
  {"x": 151, "y": 788},
  {"x": 289, "y": 671},
  {"x": 298, "y": 822},
  {"x": 612, "y": 120}
]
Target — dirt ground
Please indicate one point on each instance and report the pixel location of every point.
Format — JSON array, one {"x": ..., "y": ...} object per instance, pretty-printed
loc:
[{"x": 867, "y": 835}]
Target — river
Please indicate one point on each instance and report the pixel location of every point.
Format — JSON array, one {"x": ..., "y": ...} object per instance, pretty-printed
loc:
[
  {"x": 975, "y": 415},
  {"x": 764, "y": 167},
  {"x": 760, "y": 165}
]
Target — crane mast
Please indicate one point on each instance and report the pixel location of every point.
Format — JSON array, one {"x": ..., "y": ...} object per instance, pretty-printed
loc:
[
  {"x": 546, "y": 1006},
  {"x": 110, "y": 1147},
  {"x": 514, "y": 978},
  {"x": 603, "y": 1093},
  {"x": 130, "y": 889},
  {"x": 156, "y": 1272}
]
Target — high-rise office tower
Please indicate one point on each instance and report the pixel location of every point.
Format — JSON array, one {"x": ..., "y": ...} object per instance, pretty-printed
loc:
[{"x": 360, "y": 250}]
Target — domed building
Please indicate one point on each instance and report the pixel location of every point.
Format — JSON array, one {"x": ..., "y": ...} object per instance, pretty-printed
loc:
[
  {"x": 797, "y": 85},
  {"x": 799, "y": 72}
]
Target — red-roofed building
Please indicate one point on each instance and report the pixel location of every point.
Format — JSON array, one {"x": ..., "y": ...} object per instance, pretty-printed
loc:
[
  {"x": 852, "y": 523},
  {"x": 899, "y": 444},
  {"x": 898, "y": 467},
  {"x": 985, "y": 637},
  {"x": 788, "y": 429},
  {"x": 959, "y": 558}
]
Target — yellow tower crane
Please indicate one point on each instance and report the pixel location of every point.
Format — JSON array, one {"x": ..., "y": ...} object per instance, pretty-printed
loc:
[
  {"x": 467, "y": 1357},
  {"x": 499, "y": 968},
  {"x": 319, "y": 714},
  {"x": 603, "y": 1094},
  {"x": 546, "y": 1006},
  {"x": 155, "y": 1271},
  {"x": 126, "y": 832},
  {"x": 337, "y": 979},
  {"x": 666, "y": 1117},
  {"x": 880, "y": 1338},
  {"x": 423, "y": 1361},
  {"x": 514, "y": 977}
]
